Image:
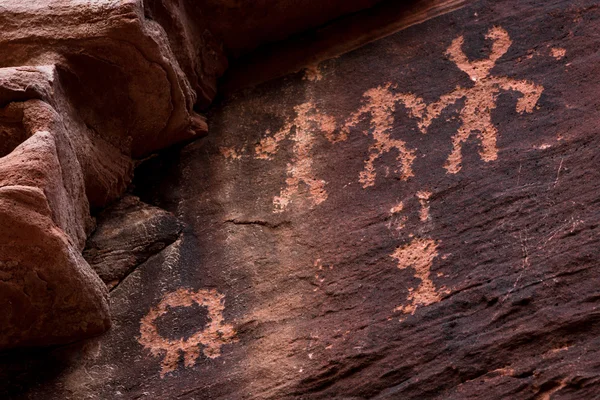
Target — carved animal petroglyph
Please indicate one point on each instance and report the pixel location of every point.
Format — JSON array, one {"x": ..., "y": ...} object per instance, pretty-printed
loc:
[
  {"x": 302, "y": 130},
  {"x": 212, "y": 337},
  {"x": 419, "y": 255}
]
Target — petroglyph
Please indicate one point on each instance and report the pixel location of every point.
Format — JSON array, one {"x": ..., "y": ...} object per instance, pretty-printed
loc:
[
  {"x": 558, "y": 53},
  {"x": 321, "y": 270},
  {"x": 230, "y": 153},
  {"x": 396, "y": 221},
  {"x": 381, "y": 106},
  {"x": 423, "y": 197},
  {"x": 313, "y": 73},
  {"x": 480, "y": 99},
  {"x": 302, "y": 130},
  {"x": 397, "y": 208},
  {"x": 419, "y": 255},
  {"x": 212, "y": 337}
]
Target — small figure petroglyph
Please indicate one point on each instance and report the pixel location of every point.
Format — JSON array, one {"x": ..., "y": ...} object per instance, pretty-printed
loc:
[
  {"x": 302, "y": 130},
  {"x": 480, "y": 99},
  {"x": 418, "y": 254},
  {"x": 212, "y": 337},
  {"x": 381, "y": 106}
]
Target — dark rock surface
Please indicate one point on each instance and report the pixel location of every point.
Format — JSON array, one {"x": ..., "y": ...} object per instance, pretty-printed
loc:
[
  {"x": 86, "y": 87},
  {"x": 126, "y": 235},
  {"x": 241, "y": 28},
  {"x": 414, "y": 220}
]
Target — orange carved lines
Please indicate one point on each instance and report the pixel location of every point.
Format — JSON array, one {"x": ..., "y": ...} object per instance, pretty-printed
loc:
[
  {"x": 419, "y": 255},
  {"x": 381, "y": 105},
  {"x": 212, "y": 337},
  {"x": 480, "y": 99},
  {"x": 302, "y": 131}
]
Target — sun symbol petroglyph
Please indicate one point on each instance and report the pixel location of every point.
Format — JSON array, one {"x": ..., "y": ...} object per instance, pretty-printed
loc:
[
  {"x": 381, "y": 106},
  {"x": 480, "y": 99},
  {"x": 211, "y": 338},
  {"x": 302, "y": 130}
]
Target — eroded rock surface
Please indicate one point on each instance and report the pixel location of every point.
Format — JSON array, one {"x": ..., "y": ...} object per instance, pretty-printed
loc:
[
  {"x": 48, "y": 292},
  {"x": 340, "y": 248},
  {"x": 85, "y": 87},
  {"x": 127, "y": 234}
]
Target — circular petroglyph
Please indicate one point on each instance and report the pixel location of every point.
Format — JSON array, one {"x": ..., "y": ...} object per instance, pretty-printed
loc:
[{"x": 210, "y": 337}]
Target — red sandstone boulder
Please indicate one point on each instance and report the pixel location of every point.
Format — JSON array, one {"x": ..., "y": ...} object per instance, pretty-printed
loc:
[{"x": 50, "y": 294}]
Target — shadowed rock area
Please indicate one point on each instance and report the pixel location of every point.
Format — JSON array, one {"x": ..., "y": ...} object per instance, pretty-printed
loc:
[
  {"x": 127, "y": 234},
  {"x": 414, "y": 219}
]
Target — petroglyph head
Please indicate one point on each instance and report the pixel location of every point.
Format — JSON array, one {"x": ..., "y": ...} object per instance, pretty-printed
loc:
[{"x": 480, "y": 69}]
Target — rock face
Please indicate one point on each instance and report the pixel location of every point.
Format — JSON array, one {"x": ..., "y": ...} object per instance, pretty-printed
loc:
[
  {"x": 241, "y": 28},
  {"x": 49, "y": 292},
  {"x": 416, "y": 219},
  {"x": 84, "y": 88},
  {"x": 127, "y": 234}
]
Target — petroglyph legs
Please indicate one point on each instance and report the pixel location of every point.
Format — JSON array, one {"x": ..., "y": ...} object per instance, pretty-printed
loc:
[
  {"x": 212, "y": 338},
  {"x": 379, "y": 107},
  {"x": 475, "y": 116}
]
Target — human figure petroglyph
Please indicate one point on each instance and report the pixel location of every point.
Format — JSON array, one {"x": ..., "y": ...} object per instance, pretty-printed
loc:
[
  {"x": 381, "y": 106},
  {"x": 302, "y": 130},
  {"x": 212, "y": 337},
  {"x": 480, "y": 99}
]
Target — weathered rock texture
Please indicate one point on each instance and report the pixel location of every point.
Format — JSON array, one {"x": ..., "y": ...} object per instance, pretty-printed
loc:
[
  {"x": 127, "y": 234},
  {"x": 416, "y": 219},
  {"x": 48, "y": 292},
  {"x": 84, "y": 87},
  {"x": 87, "y": 87}
]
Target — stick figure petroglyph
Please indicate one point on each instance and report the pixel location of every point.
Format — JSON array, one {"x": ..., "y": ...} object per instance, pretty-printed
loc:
[
  {"x": 381, "y": 106},
  {"x": 480, "y": 99},
  {"x": 212, "y": 337},
  {"x": 302, "y": 131}
]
